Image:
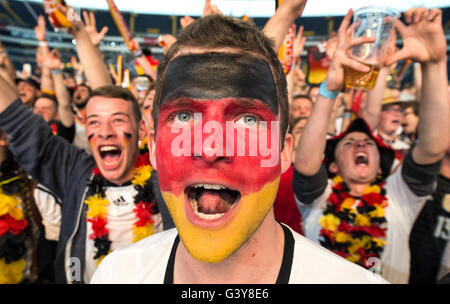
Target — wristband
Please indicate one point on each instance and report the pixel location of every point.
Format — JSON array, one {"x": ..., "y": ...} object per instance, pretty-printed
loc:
[
  {"x": 325, "y": 93},
  {"x": 138, "y": 54},
  {"x": 347, "y": 115},
  {"x": 55, "y": 72},
  {"x": 43, "y": 43}
]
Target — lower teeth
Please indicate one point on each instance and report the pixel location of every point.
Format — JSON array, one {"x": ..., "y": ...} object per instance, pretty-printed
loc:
[{"x": 194, "y": 206}]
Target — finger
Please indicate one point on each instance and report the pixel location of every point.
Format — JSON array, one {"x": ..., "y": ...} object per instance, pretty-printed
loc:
[
  {"x": 408, "y": 15},
  {"x": 397, "y": 56},
  {"x": 86, "y": 18},
  {"x": 435, "y": 15},
  {"x": 400, "y": 27},
  {"x": 344, "y": 24},
  {"x": 104, "y": 30},
  {"x": 92, "y": 19},
  {"x": 300, "y": 34},
  {"x": 354, "y": 64},
  {"x": 418, "y": 14},
  {"x": 361, "y": 40}
]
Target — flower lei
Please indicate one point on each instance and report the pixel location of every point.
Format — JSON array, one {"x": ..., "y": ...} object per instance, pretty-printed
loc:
[
  {"x": 12, "y": 233},
  {"x": 97, "y": 205},
  {"x": 355, "y": 230}
]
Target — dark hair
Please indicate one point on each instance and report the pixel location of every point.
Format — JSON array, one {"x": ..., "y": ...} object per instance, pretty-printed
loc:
[
  {"x": 296, "y": 121},
  {"x": 412, "y": 104},
  {"x": 304, "y": 96},
  {"x": 216, "y": 31},
  {"x": 84, "y": 85},
  {"x": 48, "y": 96},
  {"x": 121, "y": 93}
]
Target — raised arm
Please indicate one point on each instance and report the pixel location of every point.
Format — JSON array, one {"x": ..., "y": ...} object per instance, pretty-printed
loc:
[
  {"x": 8, "y": 94},
  {"x": 309, "y": 153},
  {"x": 90, "y": 56},
  {"x": 41, "y": 52},
  {"x": 53, "y": 63},
  {"x": 424, "y": 41},
  {"x": 143, "y": 61},
  {"x": 286, "y": 14}
]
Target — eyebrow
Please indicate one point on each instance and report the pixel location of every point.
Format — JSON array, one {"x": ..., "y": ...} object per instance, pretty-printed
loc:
[{"x": 114, "y": 114}]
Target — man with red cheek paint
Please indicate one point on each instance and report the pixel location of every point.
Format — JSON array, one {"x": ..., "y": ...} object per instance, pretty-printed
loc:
[
  {"x": 110, "y": 198},
  {"x": 218, "y": 184}
]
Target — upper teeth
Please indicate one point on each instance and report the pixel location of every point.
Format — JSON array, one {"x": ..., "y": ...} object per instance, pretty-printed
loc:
[
  {"x": 208, "y": 186},
  {"x": 107, "y": 148}
]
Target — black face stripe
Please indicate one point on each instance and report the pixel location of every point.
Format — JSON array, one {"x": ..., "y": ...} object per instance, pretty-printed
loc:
[
  {"x": 91, "y": 136},
  {"x": 128, "y": 135},
  {"x": 219, "y": 75}
]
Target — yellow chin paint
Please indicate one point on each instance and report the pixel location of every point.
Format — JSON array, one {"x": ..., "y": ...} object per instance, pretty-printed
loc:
[{"x": 216, "y": 244}]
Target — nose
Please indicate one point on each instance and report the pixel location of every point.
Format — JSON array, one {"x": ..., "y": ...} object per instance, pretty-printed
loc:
[
  {"x": 105, "y": 131},
  {"x": 360, "y": 143}
]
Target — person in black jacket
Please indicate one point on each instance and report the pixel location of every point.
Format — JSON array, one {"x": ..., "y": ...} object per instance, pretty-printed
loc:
[{"x": 108, "y": 199}]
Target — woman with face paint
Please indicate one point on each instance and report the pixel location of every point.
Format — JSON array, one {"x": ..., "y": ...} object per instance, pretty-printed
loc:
[
  {"x": 350, "y": 200},
  {"x": 220, "y": 117}
]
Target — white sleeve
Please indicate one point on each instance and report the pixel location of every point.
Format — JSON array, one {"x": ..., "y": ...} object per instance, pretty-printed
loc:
[{"x": 50, "y": 210}]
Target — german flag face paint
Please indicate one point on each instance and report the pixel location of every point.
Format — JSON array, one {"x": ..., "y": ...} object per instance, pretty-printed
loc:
[{"x": 218, "y": 150}]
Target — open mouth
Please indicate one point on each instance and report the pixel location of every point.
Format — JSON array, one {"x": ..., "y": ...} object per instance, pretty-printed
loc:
[
  {"x": 211, "y": 201},
  {"x": 361, "y": 159},
  {"x": 110, "y": 154}
]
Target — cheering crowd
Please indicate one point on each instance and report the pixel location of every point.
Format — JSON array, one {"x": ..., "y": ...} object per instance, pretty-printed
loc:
[{"x": 103, "y": 182}]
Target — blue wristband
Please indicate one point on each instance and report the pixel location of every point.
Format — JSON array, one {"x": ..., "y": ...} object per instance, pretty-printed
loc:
[
  {"x": 325, "y": 93},
  {"x": 55, "y": 72}
]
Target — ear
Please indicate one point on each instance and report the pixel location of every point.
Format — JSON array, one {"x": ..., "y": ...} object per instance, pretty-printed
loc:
[
  {"x": 152, "y": 147},
  {"x": 286, "y": 154},
  {"x": 333, "y": 168},
  {"x": 142, "y": 130},
  {"x": 4, "y": 141}
]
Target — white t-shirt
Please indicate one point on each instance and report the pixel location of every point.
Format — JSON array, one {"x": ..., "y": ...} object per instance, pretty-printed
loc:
[
  {"x": 120, "y": 224},
  {"x": 402, "y": 210},
  {"x": 146, "y": 262}
]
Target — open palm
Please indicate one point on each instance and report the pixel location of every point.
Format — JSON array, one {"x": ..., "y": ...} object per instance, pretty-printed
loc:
[{"x": 423, "y": 39}]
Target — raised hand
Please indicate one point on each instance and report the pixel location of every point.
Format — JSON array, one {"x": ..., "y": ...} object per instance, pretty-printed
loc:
[
  {"x": 91, "y": 28},
  {"x": 299, "y": 44},
  {"x": 210, "y": 9},
  {"x": 40, "y": 30},
  {"x": 52, "y": 60},
  {"x": 186, "y": 20},
  {"x": 424, "y": 39},
  {"x": 341, "y": 58}
]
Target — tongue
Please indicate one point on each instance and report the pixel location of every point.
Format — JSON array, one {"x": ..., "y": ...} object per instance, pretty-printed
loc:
[
  {"x": 213, "y": 202},
  {"x": 111, "y": 157}
]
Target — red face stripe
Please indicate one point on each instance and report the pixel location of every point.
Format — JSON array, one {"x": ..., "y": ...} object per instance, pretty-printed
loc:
[{"x": 238, "y": 170}]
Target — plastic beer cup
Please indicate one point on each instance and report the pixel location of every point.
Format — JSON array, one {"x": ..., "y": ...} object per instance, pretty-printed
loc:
[{"x": 370, "y": 21}]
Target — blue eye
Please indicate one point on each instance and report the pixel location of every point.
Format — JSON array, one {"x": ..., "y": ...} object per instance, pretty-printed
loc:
[
  {"x": 183, "y": 117},
  {"x": 248, "y": 120}
]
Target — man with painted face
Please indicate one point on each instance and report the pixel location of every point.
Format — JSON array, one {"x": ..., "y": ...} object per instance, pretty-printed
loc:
[
  {"x": 350, "y": 201},
  {"x": 220, "y": 80}
]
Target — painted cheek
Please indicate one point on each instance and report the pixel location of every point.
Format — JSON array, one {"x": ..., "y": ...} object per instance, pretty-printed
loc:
[
  {"x": 244, "y": 165},
  {"x": 92, "y": 138}
]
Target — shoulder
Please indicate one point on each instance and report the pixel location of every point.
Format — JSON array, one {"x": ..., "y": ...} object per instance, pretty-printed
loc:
[
  {"x": 314, "y": 264},
  {"x": 142, "y": 262}
]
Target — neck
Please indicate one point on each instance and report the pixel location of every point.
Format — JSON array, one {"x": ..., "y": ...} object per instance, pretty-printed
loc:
[
  {"x": 357, "y": 189},
  {"x": 257, "y": 261},
  {"x": 386, "y": 136}
]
